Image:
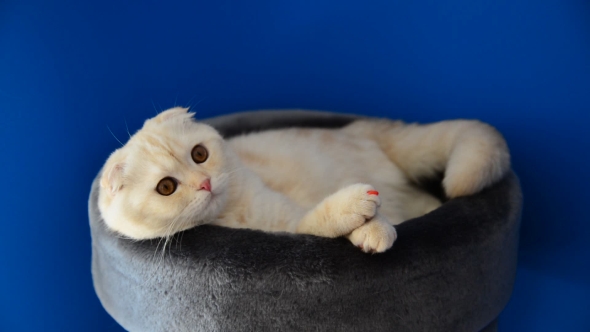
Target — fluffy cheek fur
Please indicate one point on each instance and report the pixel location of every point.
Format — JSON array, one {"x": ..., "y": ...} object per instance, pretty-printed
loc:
[{"x": 139, "y": 214}]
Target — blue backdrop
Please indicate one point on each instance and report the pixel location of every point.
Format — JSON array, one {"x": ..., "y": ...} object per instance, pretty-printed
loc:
[{"x": 70, "y": 69}]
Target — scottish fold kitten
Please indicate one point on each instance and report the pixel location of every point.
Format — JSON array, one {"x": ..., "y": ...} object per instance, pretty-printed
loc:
[{"x": 176, "y": 173}]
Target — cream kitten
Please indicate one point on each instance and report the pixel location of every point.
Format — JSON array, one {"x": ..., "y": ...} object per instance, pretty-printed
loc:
[{"x": 175, "y": 174}]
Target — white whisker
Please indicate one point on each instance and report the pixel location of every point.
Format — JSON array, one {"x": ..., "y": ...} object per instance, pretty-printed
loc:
[
  {"x": 127, "y": 127},
  {"x": 155, "y": 109},
  {"x": 191, "y": 106},
  {"x": 114, "y": 135},
  {"x": 189, "y": 101},
  {"x": 187, "y": 211}
]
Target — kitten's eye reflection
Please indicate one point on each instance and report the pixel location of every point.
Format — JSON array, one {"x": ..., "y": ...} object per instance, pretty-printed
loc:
[
  {"x": 199, "y": 154},
  {"x": 166, "y": 186}
]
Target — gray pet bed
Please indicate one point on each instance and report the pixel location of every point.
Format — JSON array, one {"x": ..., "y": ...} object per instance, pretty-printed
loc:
[{"x": 451, "y": 270}]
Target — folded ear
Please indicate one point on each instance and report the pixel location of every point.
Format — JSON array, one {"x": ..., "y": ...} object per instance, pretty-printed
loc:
[
  {"x": 169, "y": 114},
  {"x": 113, "y": 173}
]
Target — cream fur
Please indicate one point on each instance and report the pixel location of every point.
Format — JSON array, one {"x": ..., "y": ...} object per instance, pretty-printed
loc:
[{"x": 312, "y": 181}]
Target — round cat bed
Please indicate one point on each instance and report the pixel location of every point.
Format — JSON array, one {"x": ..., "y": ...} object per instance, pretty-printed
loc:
[{"x": 450, "y": 270}]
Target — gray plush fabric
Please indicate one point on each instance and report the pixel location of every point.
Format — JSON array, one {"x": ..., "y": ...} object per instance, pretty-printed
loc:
[{"x": 451, "y": 270}]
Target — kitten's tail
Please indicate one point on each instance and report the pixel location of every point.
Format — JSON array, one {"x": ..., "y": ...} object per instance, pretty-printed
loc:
[{"x": 472, "y": 154}]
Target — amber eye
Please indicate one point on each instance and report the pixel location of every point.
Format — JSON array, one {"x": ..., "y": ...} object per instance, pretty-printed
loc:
[
  {"x": 199, "y": 154},
  {"x": 166, "y": 186}
]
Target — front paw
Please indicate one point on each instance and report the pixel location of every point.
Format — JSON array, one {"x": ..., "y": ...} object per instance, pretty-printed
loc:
[
  {"x": 354, "y": 205},
  {"x": 375, "y": 236}
]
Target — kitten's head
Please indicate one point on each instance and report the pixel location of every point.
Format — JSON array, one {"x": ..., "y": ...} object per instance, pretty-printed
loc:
[{"x": 172, "y": 175}]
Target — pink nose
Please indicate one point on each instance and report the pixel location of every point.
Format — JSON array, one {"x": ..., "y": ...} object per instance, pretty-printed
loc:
[{"x": 205, "y": 185}]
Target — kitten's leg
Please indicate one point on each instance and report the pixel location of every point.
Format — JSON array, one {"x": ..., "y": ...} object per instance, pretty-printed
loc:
[
  {"x": 342, "y": 212},
  {"x": 472, "y": 154},
  {"x": 375, "y": 236}
]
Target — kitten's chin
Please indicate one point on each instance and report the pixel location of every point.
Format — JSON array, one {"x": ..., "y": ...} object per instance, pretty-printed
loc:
[
  {"x": 215, "y": 204},
  {"x": 212, "y": 207},
  {"x": 134, "y": 231}
]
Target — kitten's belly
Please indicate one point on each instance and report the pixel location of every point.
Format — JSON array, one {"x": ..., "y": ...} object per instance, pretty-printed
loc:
[{"x": 309, "y": 164}]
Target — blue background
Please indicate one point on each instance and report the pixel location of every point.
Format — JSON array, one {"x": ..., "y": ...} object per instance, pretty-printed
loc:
[{"x": 69, "y": 69}]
